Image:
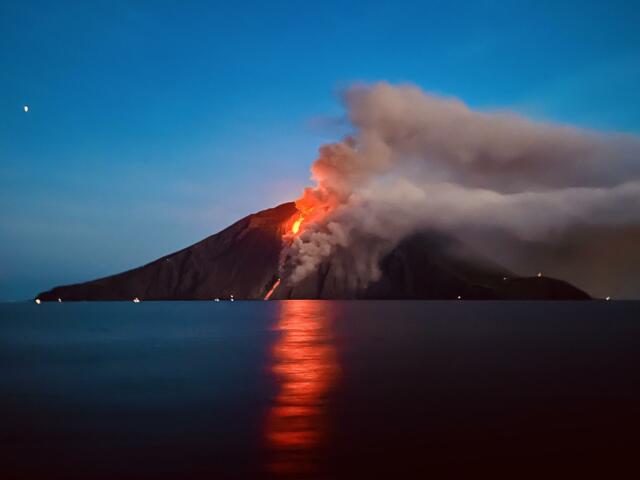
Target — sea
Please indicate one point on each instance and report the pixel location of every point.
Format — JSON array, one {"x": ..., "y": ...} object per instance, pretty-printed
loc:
[{"x": 320, "y": 390}]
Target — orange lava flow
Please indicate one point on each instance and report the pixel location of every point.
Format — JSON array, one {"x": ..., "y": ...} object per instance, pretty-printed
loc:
[
  {"x": 294, "y": 225},
  {"x": 313, "y": 207},
  {"x": 295, "y": 228},
  {"x": 305, "y": 367},
  {"x": 273, "y": 289}
]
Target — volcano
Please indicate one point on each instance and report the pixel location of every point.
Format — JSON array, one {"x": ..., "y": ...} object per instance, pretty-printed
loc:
[{"x": 243, "y": 262}]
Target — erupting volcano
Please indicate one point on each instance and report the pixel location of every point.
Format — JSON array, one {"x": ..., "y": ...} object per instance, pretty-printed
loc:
[
  {"x": 403, "y": 207},
  {"x": 249, "y": 261}
]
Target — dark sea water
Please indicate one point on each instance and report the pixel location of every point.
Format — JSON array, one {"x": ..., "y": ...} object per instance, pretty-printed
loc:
[{"x": 312, "y": 389}]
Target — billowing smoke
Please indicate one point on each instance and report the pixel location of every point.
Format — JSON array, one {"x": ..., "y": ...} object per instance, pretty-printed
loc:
[{"x": 417, "y": 161}]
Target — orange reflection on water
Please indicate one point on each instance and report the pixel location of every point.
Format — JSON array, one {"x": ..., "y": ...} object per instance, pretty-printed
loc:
[{"x": 305, "y": 367}]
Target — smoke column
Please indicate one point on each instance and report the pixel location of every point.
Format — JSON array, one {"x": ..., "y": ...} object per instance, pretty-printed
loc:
[{"x": 418, "y": 161}]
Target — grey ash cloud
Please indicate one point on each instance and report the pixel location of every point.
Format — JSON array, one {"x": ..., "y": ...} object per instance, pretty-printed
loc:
[{"x": 421, "y": 161}]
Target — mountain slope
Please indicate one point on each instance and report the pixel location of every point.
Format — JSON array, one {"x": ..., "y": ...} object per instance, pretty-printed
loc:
[{"x": 243, "y": 261}]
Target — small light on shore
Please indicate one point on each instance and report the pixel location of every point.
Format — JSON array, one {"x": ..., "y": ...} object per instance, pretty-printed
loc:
[
  {"x": 539, "y": 274},
  {"x": 136, "y": 300},
  {"x": 59, "y": 300},
  {"x": 607, "y": 298},
  {"x": 37, "y": 301},
  {"x": 504, "y": 278},
  {"x": 459, "y": 297}
]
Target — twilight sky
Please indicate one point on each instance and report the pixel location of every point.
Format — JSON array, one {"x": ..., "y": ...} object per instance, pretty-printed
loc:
[{"x": 154, "y": 124}]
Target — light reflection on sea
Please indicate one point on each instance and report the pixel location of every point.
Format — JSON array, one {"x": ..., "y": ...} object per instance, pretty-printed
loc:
[{"x": 305, "y": 366}]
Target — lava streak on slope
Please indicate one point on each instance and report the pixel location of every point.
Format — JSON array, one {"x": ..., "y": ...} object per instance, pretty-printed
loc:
[{"x": 272, "y": 289}]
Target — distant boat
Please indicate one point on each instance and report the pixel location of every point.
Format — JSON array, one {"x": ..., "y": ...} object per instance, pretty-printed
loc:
[
  {"x": 37, "y": 301},
  {"x": 136, "y": 300}
]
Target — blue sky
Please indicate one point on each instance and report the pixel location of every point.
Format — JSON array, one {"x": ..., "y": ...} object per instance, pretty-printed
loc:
[{"x": 154, "y": 124}]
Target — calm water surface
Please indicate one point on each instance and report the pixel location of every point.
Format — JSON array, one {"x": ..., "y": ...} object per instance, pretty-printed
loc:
[{"x": 312, "y": 389}]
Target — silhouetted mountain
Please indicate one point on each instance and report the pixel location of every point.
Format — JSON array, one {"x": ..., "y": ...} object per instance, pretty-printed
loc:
[{"x": 243, "y": 261}]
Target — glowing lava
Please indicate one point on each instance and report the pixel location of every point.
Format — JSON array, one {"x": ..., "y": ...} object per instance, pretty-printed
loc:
[
  {"x": 295, "y": 228},
  {"x": 273, "y": 289},
  {"x": 313, "y": 207},
  {"x": 294, "y": 225}
]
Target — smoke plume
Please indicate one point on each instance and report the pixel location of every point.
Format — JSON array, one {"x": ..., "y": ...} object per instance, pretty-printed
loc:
[{"x": 418, "y": 161}]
